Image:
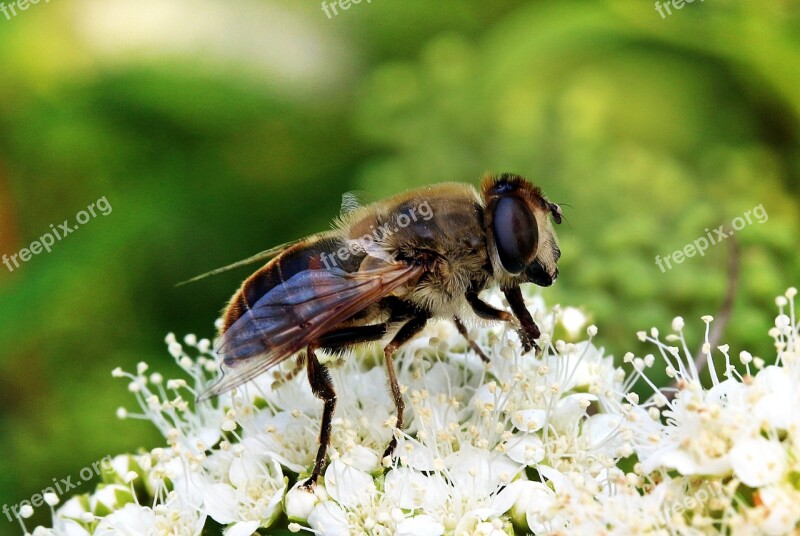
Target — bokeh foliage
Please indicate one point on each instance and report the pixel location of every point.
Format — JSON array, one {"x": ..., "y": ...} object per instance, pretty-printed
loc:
[{"x": 650, "y": 130}]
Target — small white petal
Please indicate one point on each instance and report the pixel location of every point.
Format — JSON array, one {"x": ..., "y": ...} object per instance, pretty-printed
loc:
[
  {"x": 243, "y": 528},
  {"x": 420, "y": 525},
  {"x": 328, "y": 519},
  {"x": 529, "y": 420},
  {"x": 758, "y": 461},
  {"x": 299, "y": 502},
  {"x": 573, "y": 320},
  {"x": 407, "y": 488},
  {"x": 347, "y": 485},
  {"x": 220, "y": 502},
  {"x": 526, "y": 449}
]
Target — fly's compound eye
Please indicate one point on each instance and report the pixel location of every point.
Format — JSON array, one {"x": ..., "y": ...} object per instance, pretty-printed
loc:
[{"x": 516, "y": 234}]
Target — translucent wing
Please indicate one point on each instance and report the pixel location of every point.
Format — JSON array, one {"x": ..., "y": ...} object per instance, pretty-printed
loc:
[{"x": 296, "y": 313}]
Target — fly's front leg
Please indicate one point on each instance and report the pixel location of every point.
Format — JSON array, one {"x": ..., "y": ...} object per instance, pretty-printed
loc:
[
  {"x": 486, "y": 311},
  {"x": 529, "y": 331}
]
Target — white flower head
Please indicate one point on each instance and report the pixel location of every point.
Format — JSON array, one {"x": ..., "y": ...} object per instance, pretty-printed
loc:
[
  {"x": 246, "y": 488},
  {"x": 549, "y": 442}
]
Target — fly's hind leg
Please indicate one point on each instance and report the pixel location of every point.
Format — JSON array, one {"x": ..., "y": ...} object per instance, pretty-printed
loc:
[
  {"x": 406, "y": 333},
  {"x": 322, "y": 387},
  {"x": 321, "y": 384}
]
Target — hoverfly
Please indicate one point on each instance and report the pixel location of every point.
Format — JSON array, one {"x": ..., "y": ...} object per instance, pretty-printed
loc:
[{"x": 382, "y": 273}]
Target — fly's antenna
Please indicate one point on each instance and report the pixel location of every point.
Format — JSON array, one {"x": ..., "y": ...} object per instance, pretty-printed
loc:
[{"x": 264, "y": 255}]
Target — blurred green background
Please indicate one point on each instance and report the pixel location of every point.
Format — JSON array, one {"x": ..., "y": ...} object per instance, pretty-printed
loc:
[{"x": 216, "y": 130}]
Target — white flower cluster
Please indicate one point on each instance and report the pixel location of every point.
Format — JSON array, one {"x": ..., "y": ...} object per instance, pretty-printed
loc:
[{"x": 552, "y": 444}]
